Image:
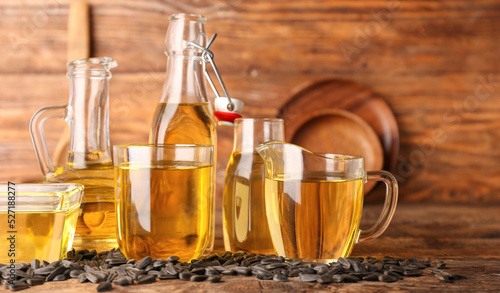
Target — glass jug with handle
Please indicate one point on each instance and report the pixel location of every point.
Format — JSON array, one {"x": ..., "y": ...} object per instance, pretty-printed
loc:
[
  {"x": 89, "y": 157},
  {"x": 314, "y": 201}
]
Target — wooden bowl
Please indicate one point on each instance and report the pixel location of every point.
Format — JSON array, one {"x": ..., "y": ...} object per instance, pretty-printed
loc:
[{"x": 348, "y": 96}]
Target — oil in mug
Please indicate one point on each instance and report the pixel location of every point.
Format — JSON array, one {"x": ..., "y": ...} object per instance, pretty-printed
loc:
[{"x": 314, "y": 218}]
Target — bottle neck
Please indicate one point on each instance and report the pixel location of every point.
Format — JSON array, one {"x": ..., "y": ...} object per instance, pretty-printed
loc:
[
  {"x": 88, "y": 119},
  {"x": 184, "y": 80}
]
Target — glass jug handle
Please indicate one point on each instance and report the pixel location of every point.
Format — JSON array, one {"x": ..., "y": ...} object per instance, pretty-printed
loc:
[
  {"x": 391, "y": 199},
  {"x": 38, "y": 136}
]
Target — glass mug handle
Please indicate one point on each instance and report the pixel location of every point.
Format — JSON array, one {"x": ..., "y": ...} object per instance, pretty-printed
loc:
[{"x": 391, "y": 199}]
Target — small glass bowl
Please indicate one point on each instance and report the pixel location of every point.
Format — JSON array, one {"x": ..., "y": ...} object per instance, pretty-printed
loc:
[{"x": 37, "y": 221}]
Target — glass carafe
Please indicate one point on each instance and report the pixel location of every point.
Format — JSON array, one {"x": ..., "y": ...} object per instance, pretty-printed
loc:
[
  {"x": 245, "y": 224},
  {"x": 184, "y": 114},
  {"x": 89, "y": 157}
]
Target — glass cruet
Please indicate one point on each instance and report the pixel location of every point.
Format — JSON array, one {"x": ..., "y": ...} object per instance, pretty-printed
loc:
[{"x": 89, "y": 158}]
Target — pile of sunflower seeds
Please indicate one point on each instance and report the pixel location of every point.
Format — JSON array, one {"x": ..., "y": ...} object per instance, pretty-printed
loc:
[{"x": 112, "y": 267}]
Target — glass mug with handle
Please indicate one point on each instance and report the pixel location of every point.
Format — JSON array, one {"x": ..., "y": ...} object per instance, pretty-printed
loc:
[{"x": 314, "y": 201}]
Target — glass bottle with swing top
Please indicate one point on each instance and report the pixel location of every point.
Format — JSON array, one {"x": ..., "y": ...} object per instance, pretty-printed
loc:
[{"x": 184, "y": 114}]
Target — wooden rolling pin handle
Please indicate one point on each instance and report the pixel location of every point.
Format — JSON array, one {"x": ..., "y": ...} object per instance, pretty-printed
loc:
[
  {"x": 78, "y": 48},
  {"x": 78, "y": 31}
]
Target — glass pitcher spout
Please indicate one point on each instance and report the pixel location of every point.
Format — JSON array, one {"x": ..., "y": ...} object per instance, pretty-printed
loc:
[{"x": 286, "y": 161}]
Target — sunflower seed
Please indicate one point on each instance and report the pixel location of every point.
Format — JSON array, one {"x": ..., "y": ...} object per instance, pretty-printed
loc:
[
  {"x": 350, "y": 279},
  {"x": 337, "y": 278},
  {"x": 243, "y": 271},
  {"x": 273, "y": 266},
  {"x": 325, "y": 280},
  {"x": 280, "y": 278},
  {"x": 442, "y": 278},
  {"x": 159, "y": 263},
  {"x": 111, "y": 277},
  {"x": 267, "y": 261},
  {"x": 35, "y": 282},
  {"x": 35, "y": 264},
  {"x": 55, "y": 273},
  {"x": 104, "y": 286},
  {"x": 59, "y": 278},
  {"x": 78, "y": 257},
  {"x": 173, "y": 258},
  {"x": 358, "y": 267},
  {"x": 396, "y": 269},
  {"x": 393, "y": 274},
  {"x": 17, "y": 287},
  {"x": 146, "y": 280},
  {"x": 154, "y": 273},
  {"x": 413, "y": 273},
  {"x": 43, "y": 271},
  {"x": 102, "y": 275},
  {"x": 264, "y": 275},
  {"x": 214, "y": 279},
  {"x": 198, "y": 271},
  {"x": 229, "y": 272},
  {"x": 144, "y": 262},
  {"x": 371, "y": 277},
  {"x": 309, "y": 277},
  {"x": 92, "y": 278},
  {"x": 123, "y": 281},
  {"x": 458, "y": 277},
  {"x": 55, "y": 264},
  {"x": 387, "y": 278},
  {"x": 344, "y": 263},
  {"x": 186, "y": 276},
  {"x": 198, "y": 278},
  {"x": 82, "y": 278},
  {"x": 211, "y": 272},
  {"x": 322, "y": 269},
  {"x": 307, "y": 271},
  {"x": 117, "y": 262},
  {"x": 164, "y": 276}
]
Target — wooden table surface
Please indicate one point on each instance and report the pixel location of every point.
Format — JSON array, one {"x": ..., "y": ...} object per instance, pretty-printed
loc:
[{"x": 466, "y": 237}]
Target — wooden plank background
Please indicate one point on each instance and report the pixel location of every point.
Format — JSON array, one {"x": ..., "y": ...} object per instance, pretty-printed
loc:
[{"x": 437, "y": 64}]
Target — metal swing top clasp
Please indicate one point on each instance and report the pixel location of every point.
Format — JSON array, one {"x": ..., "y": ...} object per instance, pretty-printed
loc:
[{"x": 226, "y": 108}]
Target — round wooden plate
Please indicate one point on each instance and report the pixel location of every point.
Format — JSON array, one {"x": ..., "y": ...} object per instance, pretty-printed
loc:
[
  {"x": 305, "y": 112},
  {"x": 341, "y": 132}
]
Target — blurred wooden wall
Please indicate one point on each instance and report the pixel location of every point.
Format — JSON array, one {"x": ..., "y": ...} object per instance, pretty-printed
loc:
[{"x": 437, "y": 64}]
